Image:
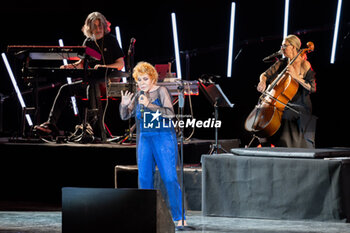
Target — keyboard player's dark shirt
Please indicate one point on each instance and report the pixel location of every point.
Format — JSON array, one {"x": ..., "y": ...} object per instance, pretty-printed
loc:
[{"x": 108, "y": 47}]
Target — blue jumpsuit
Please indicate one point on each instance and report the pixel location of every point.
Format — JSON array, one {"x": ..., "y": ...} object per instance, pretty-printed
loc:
[{"x": 157, "y": 145}]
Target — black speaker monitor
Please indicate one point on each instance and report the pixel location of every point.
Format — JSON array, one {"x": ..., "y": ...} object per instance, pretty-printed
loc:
[{"x": 87, "y": 210}]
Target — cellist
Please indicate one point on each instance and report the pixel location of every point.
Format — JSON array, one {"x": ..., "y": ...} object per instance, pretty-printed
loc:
[{"x": 297, "y": 129}]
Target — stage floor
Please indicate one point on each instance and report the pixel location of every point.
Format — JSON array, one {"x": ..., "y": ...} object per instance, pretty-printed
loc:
[{"x": 50, "y": 222}]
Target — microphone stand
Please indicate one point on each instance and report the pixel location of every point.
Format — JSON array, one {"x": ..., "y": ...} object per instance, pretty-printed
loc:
[
  {"x": 274, "y": 55},
  {"x": 181, "y": 111},
  {"x": 131, "y": 64},
  {"x": 92, "y": 103}
]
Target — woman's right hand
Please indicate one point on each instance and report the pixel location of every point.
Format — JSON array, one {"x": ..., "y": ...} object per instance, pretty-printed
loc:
[{"x": 126, "y": 97}]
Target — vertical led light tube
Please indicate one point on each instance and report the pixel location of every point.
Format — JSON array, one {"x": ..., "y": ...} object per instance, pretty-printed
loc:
[
  {"x": 117, "y": 34},
  {"x": 119, "y": 39},
  {"x": 230, "y": 42},
  {"x": 176, "y": 46},
  {"x": 15, "y": 86},
  {"x": 335, "y": 35},
  {"x": 286, "y": 18},
  {"x": 69, "y": 81}
]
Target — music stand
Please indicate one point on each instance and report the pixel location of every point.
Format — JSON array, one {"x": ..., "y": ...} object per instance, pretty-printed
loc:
[{"x": 217, "y": 98}]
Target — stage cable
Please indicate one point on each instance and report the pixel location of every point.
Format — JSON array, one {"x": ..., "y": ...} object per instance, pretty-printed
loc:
[{"x": 191, "y": 109}]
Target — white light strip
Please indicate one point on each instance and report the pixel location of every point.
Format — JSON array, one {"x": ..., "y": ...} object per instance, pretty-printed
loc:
[
  {"x": 69, "y": 81},
  {"x": 230, "y": 43},
  {"x": 286, "y": 18},
  {"x": 176, "y": 46},
  {"x": 15, "y": 86},
  {"x": 65, "y": 62},
  {"x": 29, "y": 120},
  {"x": 119, "y": 39},
  {"x": 335, "y": 35}
]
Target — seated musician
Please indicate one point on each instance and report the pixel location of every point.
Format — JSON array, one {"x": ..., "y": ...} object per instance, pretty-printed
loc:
[
  {"x": 96, "y": 29},
  {"x": 297, "y": 130}
]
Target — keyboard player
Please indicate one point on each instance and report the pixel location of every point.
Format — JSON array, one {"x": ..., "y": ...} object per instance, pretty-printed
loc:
[{"x": 107, "y": 54}]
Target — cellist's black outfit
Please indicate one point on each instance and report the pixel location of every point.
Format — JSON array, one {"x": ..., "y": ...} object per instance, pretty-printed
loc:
[{"x": 297, "y": 129}]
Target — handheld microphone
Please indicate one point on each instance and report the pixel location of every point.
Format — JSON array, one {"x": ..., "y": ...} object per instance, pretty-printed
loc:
[{"x": 276, "y": 54}]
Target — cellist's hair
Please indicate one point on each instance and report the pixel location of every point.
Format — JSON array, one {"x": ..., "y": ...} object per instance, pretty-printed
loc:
[
  {"x": 294, "y": 40},
  {"x": 89, "y": 24}
]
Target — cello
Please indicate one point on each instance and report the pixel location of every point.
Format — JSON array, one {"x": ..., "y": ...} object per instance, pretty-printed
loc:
[{"x": 266, "y": 117}]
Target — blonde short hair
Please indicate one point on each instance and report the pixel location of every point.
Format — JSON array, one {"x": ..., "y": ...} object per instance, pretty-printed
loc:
[
  {"x": 89, "y": 24},
  {"x": 145, "y": 68},
  {"x": 293, "y": 40}
]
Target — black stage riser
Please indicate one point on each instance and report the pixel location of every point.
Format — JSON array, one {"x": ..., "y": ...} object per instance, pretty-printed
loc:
[
  {"x": 38, "y": 171},
  {"x": 276, "y": 187}
]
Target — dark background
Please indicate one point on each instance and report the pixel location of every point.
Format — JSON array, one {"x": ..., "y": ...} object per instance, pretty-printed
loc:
[{"x": 203, "y": 29}]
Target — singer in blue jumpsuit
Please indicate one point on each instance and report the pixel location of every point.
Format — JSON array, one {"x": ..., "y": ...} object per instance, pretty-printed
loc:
[{"x": 156, "y": 138}]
